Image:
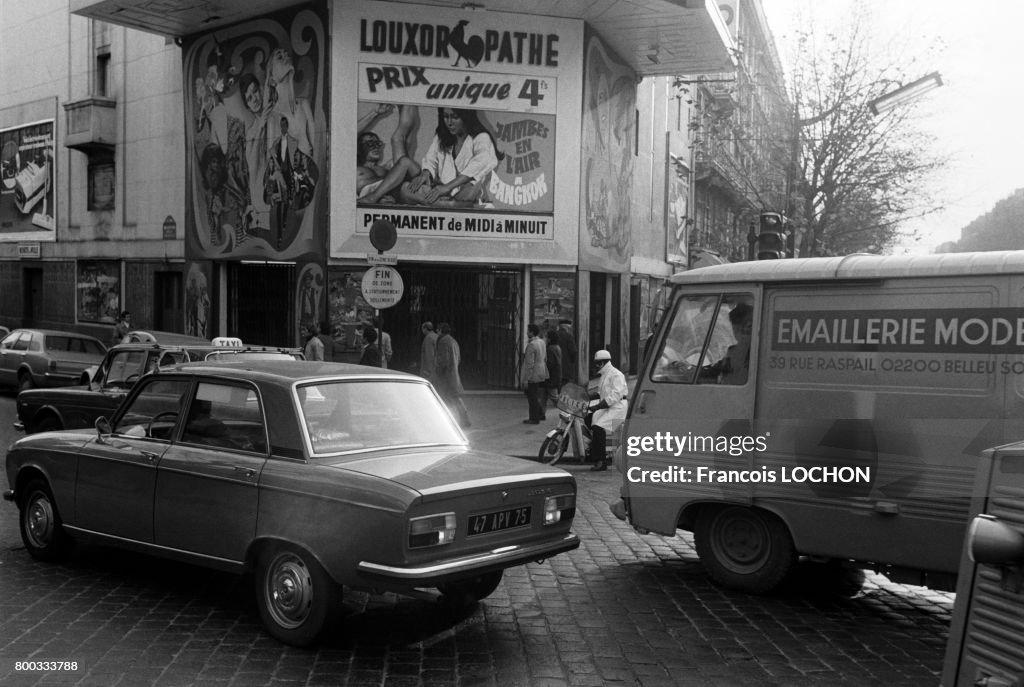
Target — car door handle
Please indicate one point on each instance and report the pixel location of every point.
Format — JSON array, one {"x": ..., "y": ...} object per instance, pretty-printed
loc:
[
  {"x": 248, "y": 472},
  {"x": 150, "y": 456},
  {"x": 641, "y": 406}
]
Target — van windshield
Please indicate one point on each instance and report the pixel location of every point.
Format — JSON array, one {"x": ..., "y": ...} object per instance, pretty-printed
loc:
[{"x": 707, "y": 341}]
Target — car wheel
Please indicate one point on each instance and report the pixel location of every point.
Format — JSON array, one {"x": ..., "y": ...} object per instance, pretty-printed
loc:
[
  {"x": 296, "y": 597},
  {"x": 743, "y": 548},
  {"x": 25, "y": 381},
  {"x": 42, "y": 530},
  {"x": 553, "y": 448},
  {"x": 48, "y": 423},
  {"x": 466, "y": 592}
]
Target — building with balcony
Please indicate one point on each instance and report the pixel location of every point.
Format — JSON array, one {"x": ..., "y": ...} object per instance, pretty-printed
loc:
[
  {"x": 742, "y": 133},
  {"x": 206, "y": 166}
]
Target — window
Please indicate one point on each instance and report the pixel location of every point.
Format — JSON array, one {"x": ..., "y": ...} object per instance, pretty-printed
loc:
[
  {"x": 226, "y": 416},
  {"x": 103, "y": 73},
  {"x": 350, "y": 416},
  {"x": 154, "y": 412},
  {"x": 708, "y": 341},
  {"x": 101, "y": 191}
]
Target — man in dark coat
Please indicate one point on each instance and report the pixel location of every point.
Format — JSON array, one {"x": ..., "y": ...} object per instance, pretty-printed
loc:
[{"x": 567, "y": 343}]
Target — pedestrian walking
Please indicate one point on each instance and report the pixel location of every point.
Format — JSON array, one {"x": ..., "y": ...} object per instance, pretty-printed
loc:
[
  {"x": 609, "y": 410},
  {"x": 331, "y": 348},
  {"x": 384, "y": 343},
  {"x": 567, "y": 343},
  {"x": 534, "y": 375},
  {"x": 371, "y": 351},
  {"x": 314, "y": 349},
  {"x": 554, "y": 362},
  {"x": 428, "y": 352},
  {"x": 121, "y": 328},
  {"x": 448, "y": 382}
]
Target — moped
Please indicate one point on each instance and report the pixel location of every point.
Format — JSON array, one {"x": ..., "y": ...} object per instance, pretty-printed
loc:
[{"x": 573, "y": 408}]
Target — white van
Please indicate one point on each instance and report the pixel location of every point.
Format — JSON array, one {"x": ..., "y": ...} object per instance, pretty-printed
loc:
[{"x": 833, "y": 408}]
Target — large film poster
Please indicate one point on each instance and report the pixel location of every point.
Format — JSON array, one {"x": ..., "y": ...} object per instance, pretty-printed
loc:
[
  {"x": 456, "y": 126},
  {"x": 256, "y": 129},
  {"x": 27, "y": 207}
]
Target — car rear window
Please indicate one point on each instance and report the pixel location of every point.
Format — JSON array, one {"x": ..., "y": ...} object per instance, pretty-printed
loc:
[{"x": 359, "y": 415}]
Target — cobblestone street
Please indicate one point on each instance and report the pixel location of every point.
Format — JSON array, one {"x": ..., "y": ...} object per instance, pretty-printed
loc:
[{"x": 622, "y": 609}]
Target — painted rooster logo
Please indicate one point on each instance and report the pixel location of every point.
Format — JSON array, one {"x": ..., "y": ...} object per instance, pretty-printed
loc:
[{"x": 470, "y": 50}]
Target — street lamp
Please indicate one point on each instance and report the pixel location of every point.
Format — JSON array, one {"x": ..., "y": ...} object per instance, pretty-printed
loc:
[{"x": 904, "y": 94}]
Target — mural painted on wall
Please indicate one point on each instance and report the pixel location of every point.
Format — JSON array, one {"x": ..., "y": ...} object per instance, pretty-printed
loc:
[
  {"x": 197, "y": 300},
  {"x": 256, "y": 129},
  {"x": 609, "y": 106},
  {"x": 676, "y": 229},
  {"x": 27, "y": 206},
  {"x": 98, "y": 291},
  {"x": 309, "y": 296},
  {"x": 554, "y": 299}
]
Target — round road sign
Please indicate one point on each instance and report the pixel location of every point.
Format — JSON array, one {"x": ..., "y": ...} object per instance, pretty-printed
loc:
[{"x": 382, "y": 286}]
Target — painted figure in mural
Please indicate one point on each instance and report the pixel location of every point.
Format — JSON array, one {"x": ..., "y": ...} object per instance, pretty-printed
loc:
[
  {"x": 221, "y": 126},
  {"x": 226, "y": 202},
  {"x": 376, "y": 179},
  {"x": 286, "y": 103},
  {"x": 197, "y": 303},
  {"x": 281, "y": 170},
  {"x": 310, "y": 286},
  {"x": 256, "y": 150},
  {"x": 608, "y": 145},
  {"x": 457, "y": 164}
]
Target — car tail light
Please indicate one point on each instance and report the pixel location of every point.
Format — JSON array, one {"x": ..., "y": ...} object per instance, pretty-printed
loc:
[
  {"x": 53, "y": 365},
  {"x": 558, "y": 507},
  {"x": 432, "y": 530}
]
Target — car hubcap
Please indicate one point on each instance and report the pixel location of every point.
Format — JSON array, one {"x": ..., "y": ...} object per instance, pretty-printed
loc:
[
  {"x": 289, "y": 590},
  {"x": 39, "y": 521}
]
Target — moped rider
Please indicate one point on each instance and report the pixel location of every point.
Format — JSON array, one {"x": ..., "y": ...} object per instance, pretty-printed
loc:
[{"x": 609, "y": 409}]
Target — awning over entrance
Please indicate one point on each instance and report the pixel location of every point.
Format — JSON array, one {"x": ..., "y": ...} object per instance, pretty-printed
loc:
[{"x": 656, "y": 37}]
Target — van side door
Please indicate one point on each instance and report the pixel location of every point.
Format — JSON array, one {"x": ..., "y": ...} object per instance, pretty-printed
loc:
[{"x": 692, "y": 413}]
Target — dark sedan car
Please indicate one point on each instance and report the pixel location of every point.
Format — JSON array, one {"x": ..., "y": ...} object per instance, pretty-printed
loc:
[
  {"x": 314, "y": 475},
  {"x": 46, "y": 358},
  {"x": 43, "y": 410}
]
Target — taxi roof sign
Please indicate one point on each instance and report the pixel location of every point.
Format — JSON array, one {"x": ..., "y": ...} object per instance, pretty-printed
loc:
[{"x": 227, "y": 341}]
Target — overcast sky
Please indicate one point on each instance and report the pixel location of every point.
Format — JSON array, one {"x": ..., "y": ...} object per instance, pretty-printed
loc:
[{"x": 978, "y": 114}]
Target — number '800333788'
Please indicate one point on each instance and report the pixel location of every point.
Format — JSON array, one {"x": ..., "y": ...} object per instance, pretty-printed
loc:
[{"x": 45, "y": 666}]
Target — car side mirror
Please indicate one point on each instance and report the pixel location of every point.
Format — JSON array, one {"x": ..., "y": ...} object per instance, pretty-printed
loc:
[{"x": 103, "y": 428}]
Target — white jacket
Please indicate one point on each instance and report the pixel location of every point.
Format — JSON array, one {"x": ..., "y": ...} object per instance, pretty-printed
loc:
[{"x": 615, "y": 393}]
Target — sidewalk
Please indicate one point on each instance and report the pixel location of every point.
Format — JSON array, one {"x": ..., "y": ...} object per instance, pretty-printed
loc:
[{"x": 497, "y": 418}]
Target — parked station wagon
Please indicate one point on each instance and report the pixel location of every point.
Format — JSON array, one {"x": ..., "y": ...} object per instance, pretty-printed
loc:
[
  {"x": 317, "y": 476},
  {"x": 46, "y": 358}
]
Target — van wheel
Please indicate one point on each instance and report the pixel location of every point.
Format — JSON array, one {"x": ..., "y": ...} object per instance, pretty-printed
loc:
[
  {"x": 296, "y": 597},
  {"x": 743, "y": 548}
]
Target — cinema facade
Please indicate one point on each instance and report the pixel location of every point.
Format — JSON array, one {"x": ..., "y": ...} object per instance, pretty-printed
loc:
[{"x": 203, "y": 168}]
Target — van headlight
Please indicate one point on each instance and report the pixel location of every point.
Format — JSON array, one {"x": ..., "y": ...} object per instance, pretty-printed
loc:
[
  {"x": 558, "y": 508},
  {"x": 431, "y": 530}
]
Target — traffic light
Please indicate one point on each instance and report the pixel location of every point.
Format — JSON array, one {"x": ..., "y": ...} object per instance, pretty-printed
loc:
[{"x": 771, "y": 237}]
